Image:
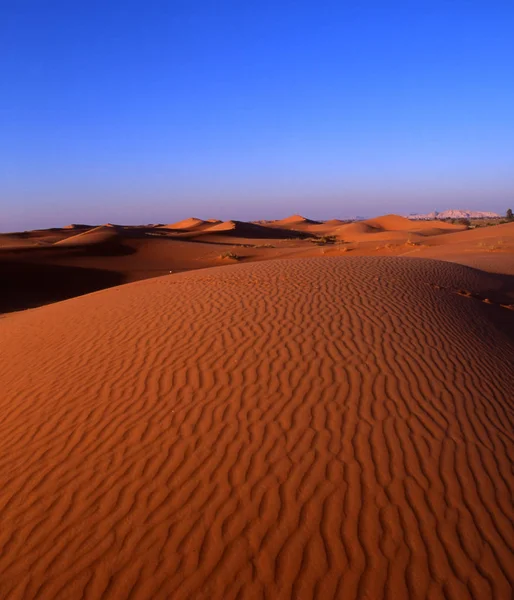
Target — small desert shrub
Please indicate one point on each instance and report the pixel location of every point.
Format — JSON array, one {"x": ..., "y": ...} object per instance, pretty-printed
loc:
[
  {"x": 499, "y": 245},
  {"x": 230, "y": 256},
  {"x": 325, "y": 239},
  {"x": 411, "y": 242}
]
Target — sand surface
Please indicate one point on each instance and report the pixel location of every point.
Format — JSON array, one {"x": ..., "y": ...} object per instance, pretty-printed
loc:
[
  {"x": 40, "y": 267},
  {"x": 312, "y": 428}
]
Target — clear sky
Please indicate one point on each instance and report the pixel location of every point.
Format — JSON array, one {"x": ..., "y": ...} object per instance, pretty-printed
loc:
[{"x": 152, "y": 111}]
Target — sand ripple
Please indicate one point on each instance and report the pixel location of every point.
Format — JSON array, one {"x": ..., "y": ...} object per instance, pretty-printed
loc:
[{"x": 317, "y": 428}]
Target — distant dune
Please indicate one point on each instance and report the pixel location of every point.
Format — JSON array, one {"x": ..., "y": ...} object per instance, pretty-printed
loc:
[
  {"x": 96, "y": 235},
  {"x": 394, "y": 227},
  {"x": 244, "y": 229},
  {"x": 13, "y": 241},
  {"x": 397, "y": 223},
  {"x": 335, "y": 222},
  {"x": 295, "y": 220},
  {"x": 325, "y": 427},
  {"x": 187, "y": 223},
  {"x": 389, "y": 222},
  {"x": 357, "y": 229},
  {"x": 37, "y": 267},
  {"x": 487, "y": 248},
  {"x": 78, "y": 226},
  {"x": 190, "y": 224}
]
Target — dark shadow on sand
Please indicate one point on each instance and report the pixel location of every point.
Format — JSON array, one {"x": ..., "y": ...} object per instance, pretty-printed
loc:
[{"x": 28, "y": 285}]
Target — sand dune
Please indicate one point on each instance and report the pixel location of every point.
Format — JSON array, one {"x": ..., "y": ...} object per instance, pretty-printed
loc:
[
  {"x": 243, "y": 229},
  {"x": 295, "y": 220},
  {"x": 187, "y": 223},
  {"x": 36, "y": 238},
  {"x": 334, "y": 222},
  {"x": 97, "y": 235},
  {"x": 480, "y": 234},
  {"x": 394, "y": 228},
  {"x": 318, "y": 428},
  {"x": 33, "y": 276},
  {"x": 13, "y": 241},
  {"x": 397, "y": 223},
  {"x": 437, "y": 227},
  {"x": 88, "y": 259},
  {"x": 192, "y": 224},
  {"x": 78, "y": 226},
  {"x": 487, "y": 248},
  {"x": 391, "y": 223},
  {"x": 356, "y": 230},
  {"x": 228, "y": 226}
]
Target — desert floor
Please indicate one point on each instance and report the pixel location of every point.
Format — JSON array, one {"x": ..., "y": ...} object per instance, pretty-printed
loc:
[{"x": 285, "y": 415}]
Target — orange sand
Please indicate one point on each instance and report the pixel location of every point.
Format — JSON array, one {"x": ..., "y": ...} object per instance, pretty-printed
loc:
[
  {"x": 310, "y": 428},
  {"x": 39, "y": 267}
]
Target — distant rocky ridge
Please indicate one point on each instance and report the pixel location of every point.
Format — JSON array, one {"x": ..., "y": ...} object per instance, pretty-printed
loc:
[{"x": 455, "y": 214}]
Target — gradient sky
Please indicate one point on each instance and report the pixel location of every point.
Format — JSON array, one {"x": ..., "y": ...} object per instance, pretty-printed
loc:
[{"x": 141, "y": 112}]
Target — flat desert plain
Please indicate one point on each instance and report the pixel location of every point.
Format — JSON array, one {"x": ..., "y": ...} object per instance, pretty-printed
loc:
[{"x": 285, "y": 409}]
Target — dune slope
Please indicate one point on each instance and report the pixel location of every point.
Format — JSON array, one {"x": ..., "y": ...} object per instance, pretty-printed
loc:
[{"x": 317, "y": 428}]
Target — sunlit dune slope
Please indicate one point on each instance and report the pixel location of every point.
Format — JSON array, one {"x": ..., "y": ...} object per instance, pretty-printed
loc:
[
  {"x": 243, "y": 229},
  {"x": 487, "y": 248},
  {"x": 192, "y": 224},
  {"x": 101, "y": 234},
  {"x": 391, "y": 222},
  {"x": 482, "y": 234},
  {"x": 13, "y": 241},
  {"x": 394, "y": 224},
  {"x": 317, "y": 428},
  {"x": 187, "y": 223},
  {"x": 295, "y": 220},
  {"x": 355, "y": 230},
  {"x": 78, "y": 226}
]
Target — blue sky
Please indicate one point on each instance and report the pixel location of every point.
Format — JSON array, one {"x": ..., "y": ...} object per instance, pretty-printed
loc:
[{"x": 139, "y": 112}]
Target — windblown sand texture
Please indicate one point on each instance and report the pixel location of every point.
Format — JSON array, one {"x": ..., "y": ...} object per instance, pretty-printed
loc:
[
  {"x": 312, "y": 428},
  {"x": 39, "y": 267}
]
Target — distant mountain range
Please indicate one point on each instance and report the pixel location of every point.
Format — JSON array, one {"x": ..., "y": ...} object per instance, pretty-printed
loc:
[{"x": 455, "y": 214}]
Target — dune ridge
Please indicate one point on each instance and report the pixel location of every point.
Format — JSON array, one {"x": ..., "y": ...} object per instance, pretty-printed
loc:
[
  {"x": 42, "y": 266},
  {"x": 187, "y": 223},
  {"x": 294, "y": 219},
  {"x": 394, "y": 224},
  {"x": 96, "y": 235},
  {"x": 245, "y": 229},
  {"x": 314, "y": 428}
]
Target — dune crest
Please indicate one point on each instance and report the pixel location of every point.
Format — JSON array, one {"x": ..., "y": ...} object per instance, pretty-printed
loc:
[
  {"x": 390, "y": 222},
  {"x": 92, "y": 258},
  {"x": 296, "y": 220},
  {"x": 186, "y": 224},
  {"x": 97, "y": 235},
  {"x": 317, "y": 428}
]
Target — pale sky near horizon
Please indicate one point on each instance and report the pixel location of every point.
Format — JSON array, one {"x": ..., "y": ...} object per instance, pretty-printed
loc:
[{"x": 141, "y": 112}]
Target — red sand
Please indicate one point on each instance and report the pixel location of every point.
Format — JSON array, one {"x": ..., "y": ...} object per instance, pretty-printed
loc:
[
  {"x": 311, "y": 428},
  {"x": 39, "y": 267}
]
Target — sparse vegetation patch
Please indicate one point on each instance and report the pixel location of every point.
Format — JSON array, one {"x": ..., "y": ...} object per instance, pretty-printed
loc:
[
  {"x": 230, "y": 256},
  {"x": 325, "y": 239}
]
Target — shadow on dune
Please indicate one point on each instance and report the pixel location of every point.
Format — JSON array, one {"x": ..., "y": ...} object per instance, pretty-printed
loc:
[
  {"x": 500, "y": 316},
  {"x": 110, "y": 247},
  {"x": 242, "y": 229},
  {"x": 495, "y": 292},
  {"x": 29, "y": 285}
]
